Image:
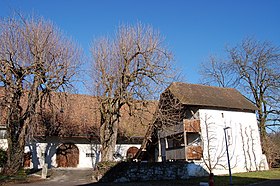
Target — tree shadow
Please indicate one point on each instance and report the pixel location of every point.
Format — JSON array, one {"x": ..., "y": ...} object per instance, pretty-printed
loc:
[
  {"x": 47, "y": 154},
  {"x": 50, "y": 151},
  {"x": 34, "y": 155}
]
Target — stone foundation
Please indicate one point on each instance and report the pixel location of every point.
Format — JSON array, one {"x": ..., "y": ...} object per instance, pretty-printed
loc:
[{"x": 140, "y": 171}]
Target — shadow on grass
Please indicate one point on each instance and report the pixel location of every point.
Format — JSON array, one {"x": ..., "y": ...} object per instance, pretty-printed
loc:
[{"x": 225, "y": 180}]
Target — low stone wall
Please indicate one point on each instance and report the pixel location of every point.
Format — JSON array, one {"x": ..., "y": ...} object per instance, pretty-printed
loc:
[{"x": 139, "y": 171}]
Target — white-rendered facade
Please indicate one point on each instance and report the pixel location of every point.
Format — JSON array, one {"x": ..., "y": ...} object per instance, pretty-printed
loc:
[
  {"x": 245, "y": 153},
  {"x": 89, "y": 154}
]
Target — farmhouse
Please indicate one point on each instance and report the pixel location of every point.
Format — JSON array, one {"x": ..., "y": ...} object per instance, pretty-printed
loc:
[
  {"x": 190, "y": 123},
  {"x": 193, "y": 124},
  {"x": 67, "y": 134}
]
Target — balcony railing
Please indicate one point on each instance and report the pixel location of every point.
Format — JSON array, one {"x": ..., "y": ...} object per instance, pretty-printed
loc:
[
  {"x": 194, "y": 152},
  {"x": 192, "y": 125}
]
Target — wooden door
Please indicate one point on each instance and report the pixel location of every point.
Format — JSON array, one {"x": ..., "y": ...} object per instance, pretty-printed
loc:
[
  {"x": 67, "y": 155},
  {"x": 131, "y": 152},
  {"x": 26, "y": 159}
]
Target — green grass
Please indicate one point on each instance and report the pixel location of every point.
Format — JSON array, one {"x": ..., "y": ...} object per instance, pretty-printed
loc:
[
  {"x": 270, "y": 174},
  {"x": 21, "y": 176},
  {"x": 241, "y": 178}
]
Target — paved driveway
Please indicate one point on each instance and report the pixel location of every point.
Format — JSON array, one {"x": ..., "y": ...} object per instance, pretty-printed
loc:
[{"x": 63, "y": 177}]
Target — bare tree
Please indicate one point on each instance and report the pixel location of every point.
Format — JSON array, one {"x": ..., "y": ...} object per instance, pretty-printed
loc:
[
  {"x": 133, "y": 65},
  {"x": 253, "y": 67},
  {"x": 274, "y": 149},
  {"x": 36, "y": 59},
  {"x": 218, "y": 72}
]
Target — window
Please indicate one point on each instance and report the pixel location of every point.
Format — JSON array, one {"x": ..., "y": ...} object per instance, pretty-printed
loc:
[
  {"x": 2, "y": 132},
  {"x": 91, "y": 155},
  {"x": 193, "y": 139}
]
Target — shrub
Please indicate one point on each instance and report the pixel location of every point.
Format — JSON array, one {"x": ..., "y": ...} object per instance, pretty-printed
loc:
[{"x": 274, "y": 149}]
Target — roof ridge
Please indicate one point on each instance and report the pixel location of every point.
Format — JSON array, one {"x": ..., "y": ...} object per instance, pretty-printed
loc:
[{"x": 210, "y": 86}]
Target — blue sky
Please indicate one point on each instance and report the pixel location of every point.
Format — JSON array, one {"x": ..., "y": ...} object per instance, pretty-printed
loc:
[{"x": 193, "y": 29}]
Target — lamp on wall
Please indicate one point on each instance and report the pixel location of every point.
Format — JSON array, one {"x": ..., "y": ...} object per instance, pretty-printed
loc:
[{"x": 229, "y": 169}]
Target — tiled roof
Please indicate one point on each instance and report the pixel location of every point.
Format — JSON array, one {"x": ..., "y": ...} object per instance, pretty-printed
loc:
[
  {"x": 210, "y": 96},
  {"x": 78, "y": 115}
]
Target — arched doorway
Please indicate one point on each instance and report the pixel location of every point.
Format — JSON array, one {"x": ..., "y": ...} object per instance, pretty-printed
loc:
[
  {"x": 67, "y": 155},
  {"x": 131, "y": 152}
]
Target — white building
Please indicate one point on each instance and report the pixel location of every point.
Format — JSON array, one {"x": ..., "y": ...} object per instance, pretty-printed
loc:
[
  {"x": 193, "y": 123},
  {"x": 68, "y": 136}
]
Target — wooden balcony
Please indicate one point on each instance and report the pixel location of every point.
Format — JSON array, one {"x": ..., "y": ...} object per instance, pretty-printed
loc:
[
  {"x": 194, "y": 152},
  {"x": 175, "y": 154},
  {"x": 192, "y": 125}
]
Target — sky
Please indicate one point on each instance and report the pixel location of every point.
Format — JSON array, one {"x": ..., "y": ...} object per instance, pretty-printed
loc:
[{"x": 193, "y": 29}]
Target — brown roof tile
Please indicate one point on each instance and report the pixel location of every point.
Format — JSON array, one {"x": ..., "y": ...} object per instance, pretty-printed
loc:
[
  {"x": 210, "y": 96},
  {"x": 78, "y": 115}
]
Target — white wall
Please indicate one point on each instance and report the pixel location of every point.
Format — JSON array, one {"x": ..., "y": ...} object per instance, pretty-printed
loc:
[
  {"x": 244, "y": 141},
  {"x": 48, "y": 151},
  {"x": 3, "y": 144}
]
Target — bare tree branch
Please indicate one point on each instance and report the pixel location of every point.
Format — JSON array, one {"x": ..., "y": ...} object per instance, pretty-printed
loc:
[
  {"x": 132, "y": 65},
  {"x": 253, "y": 67},
  {"x": 35, "y": 59}
]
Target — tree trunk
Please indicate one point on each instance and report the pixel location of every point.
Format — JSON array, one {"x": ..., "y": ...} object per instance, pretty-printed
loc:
[
  {"x": 16, "y": 132},
  {"x": 108, "y": 137},
  {"x": 264, "y": 141},
  {"x": 14, "y": 156},
  {"x": 262, "y": 132}
]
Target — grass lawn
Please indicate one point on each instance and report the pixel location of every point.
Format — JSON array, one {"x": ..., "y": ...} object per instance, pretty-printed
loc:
[
  {"x": 21, "y": 177},
  {"x": 240, "y": 178}
]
